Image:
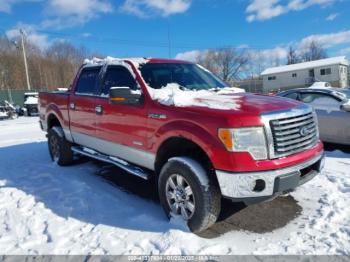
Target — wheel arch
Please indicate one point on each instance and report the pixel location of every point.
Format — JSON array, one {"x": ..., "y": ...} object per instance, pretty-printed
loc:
[
  {"x": 53, "y": 120},
  {"x": 178, "y": 146}
]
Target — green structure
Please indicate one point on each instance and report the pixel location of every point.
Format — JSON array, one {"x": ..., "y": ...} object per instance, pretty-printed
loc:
[{"x": 15, "y": 96}]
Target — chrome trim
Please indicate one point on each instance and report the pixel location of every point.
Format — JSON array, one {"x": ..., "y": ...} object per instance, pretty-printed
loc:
[
  {"x": 134, "y": 170},
  {"x": 301, "y": 110},
  {"x": 130, "y": 154},
  {"x": 157, "y": 116},
  {"x": 239, "y": 185}
]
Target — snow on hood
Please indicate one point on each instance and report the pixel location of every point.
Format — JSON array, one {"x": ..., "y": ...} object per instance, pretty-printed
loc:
[
  {"x": 31, "y": 101},
  {"x": 173, "y": 95}
]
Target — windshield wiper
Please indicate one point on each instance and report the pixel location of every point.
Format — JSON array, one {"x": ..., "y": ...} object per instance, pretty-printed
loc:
[{"x": 183, "y": 88}]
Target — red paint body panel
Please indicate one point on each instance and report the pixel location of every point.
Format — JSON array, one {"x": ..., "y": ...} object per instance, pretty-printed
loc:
[{"x": 125, "y": 124}]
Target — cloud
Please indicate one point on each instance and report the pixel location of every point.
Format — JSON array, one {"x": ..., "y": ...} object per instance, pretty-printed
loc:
[
  {"x": 68, "y": 13},
  {"x": 6, "y": 5},
  {"x": 327, "y": 40},
  {"x": 32, "y": 36},
  {"x": 345, "y": 51},
  {"x": 260, "y": 10},
  {"x": 147, "y": 8},
  {"x": 332, "y": 17},
  {"x": 272, "y": 54},
  {"x": 189, "y": 55}
]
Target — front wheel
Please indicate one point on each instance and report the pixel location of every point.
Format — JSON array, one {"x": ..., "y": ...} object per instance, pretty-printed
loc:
[{"x": 186, "y": 190}]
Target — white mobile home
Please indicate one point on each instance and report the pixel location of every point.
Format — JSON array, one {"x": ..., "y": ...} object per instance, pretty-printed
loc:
[{"x": 333, "y": 70}]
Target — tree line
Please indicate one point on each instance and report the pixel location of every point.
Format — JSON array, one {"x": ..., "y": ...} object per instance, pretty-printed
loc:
[
  {"x": 232, "y": 64},
  {"x": 48, "y": 70},
  {"x": 56, "y": 66}
]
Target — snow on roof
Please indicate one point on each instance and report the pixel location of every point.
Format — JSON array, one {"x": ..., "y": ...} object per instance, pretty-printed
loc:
[
  {"x": 300, "y": 66},
  {"x": 114, "y": 60}
]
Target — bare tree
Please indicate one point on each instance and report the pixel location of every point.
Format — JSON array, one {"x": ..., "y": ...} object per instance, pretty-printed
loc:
[
  {"x": 292, "y": 56},
  {"x": 48, "y": 69},
  {"x": 228, "y": 63},
  {"x": 314, "y": 51}
]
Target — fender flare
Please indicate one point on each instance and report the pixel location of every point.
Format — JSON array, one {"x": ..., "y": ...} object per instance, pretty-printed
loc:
[{"x": 184, "y": 129}]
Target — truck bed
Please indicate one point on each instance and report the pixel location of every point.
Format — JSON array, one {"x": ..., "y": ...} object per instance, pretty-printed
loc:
[{"x": 57, "y": 102}]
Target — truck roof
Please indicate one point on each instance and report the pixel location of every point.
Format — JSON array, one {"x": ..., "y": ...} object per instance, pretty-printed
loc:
[{"x": 135, "y": 60}]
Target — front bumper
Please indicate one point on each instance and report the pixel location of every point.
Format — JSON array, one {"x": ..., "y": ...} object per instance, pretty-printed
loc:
[{"x": 252, "y": 187}]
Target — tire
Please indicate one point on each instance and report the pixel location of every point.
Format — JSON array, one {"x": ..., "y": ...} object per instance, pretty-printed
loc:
[
  {"x": 14, "y": 116},
  {"x": 205, "y": 199},
  {"x": 59, "y": 147}
]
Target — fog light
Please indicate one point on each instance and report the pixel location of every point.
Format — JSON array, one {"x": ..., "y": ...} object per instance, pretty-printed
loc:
[{"x": 259, "y": 185}]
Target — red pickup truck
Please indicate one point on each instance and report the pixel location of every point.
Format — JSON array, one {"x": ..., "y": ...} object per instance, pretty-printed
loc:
[{"x": 177, "y": 122}]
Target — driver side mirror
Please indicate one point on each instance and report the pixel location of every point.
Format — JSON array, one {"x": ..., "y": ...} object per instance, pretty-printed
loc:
[
  {"x": 124, "y": 96},
  {"x": 345, "y": 107}
]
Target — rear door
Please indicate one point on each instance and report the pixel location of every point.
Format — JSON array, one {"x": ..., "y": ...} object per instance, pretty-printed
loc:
[{"x": 82, "y": 106}]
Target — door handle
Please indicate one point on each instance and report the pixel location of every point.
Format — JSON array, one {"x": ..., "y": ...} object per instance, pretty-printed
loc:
[
  {"x": 72, "y": 106},
  {"x": 99, "y": 110}
]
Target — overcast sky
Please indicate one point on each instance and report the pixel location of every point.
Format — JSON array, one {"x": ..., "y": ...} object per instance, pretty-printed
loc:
[{"x": 146, "y": 27}]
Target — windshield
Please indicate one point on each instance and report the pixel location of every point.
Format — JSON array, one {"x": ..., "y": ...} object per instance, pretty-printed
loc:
[{"x": 187, "y": 76}]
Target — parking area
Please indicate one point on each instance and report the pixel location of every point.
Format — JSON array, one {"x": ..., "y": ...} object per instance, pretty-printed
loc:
[{"x": 92, "y": 207}]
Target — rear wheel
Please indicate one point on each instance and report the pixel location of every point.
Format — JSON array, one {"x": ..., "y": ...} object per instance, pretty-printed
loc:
[
  {"x": 59, "y": 147},
  {"x": 186, "y": 190}
]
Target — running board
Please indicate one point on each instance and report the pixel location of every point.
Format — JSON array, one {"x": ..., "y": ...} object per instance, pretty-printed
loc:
[{"x": 134, "y": 170}]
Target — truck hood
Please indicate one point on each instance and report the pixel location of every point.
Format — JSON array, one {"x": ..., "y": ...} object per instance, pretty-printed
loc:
[
  {"x": 229, "y": 100},
  {"x": 244, "y": 104}
]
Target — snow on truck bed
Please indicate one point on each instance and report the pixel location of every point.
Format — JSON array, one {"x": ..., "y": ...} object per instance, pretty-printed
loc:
[{"x": 47, "y": 209}]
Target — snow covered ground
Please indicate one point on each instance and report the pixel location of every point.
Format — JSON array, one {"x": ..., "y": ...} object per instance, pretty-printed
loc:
[{"x": 46, "y": 209}]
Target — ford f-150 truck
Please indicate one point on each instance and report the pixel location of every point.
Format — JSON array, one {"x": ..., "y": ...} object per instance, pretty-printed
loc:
[{"x": 177, "y": 122}]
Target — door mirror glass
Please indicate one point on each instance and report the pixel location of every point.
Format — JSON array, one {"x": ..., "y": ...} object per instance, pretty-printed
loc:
[
  {"x": 124, "y": 96},
  {"x": 346, "y": 106}
]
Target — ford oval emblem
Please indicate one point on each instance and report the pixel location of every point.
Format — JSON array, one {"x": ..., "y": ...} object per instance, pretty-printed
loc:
[{"x": 305, "y": 131}]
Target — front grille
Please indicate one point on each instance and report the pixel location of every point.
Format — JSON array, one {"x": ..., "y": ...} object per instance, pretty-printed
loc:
[{"x": 293, "y": 134}]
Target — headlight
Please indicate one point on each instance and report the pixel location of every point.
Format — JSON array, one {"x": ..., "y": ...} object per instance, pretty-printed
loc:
[{"x": 251, "y": 140}]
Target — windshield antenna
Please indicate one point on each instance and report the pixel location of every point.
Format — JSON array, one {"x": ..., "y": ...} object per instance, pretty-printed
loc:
[{"x": 169, "y": 41}]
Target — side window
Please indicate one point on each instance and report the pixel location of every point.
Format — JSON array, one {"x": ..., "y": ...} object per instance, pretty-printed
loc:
[
  {"x": 320, "y": 100},
  {"x": 326, "y": 71},
  {"x": 87, "y": 81},
  {"x": 292, "y": 96},
  {"x": 117, "y": 76}
]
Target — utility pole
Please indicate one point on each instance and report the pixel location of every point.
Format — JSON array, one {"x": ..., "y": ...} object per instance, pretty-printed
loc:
[{"x": 25, "y": 58}]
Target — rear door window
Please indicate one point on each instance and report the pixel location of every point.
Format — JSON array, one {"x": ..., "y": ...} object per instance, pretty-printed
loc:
[{"x": 87, "y": 83}]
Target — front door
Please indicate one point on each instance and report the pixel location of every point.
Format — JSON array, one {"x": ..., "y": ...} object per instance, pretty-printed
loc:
[{"x": 122, "y": 128}]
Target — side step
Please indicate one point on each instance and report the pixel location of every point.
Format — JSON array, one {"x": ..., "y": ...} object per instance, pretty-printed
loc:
[{"x": 134, "y": 170}]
